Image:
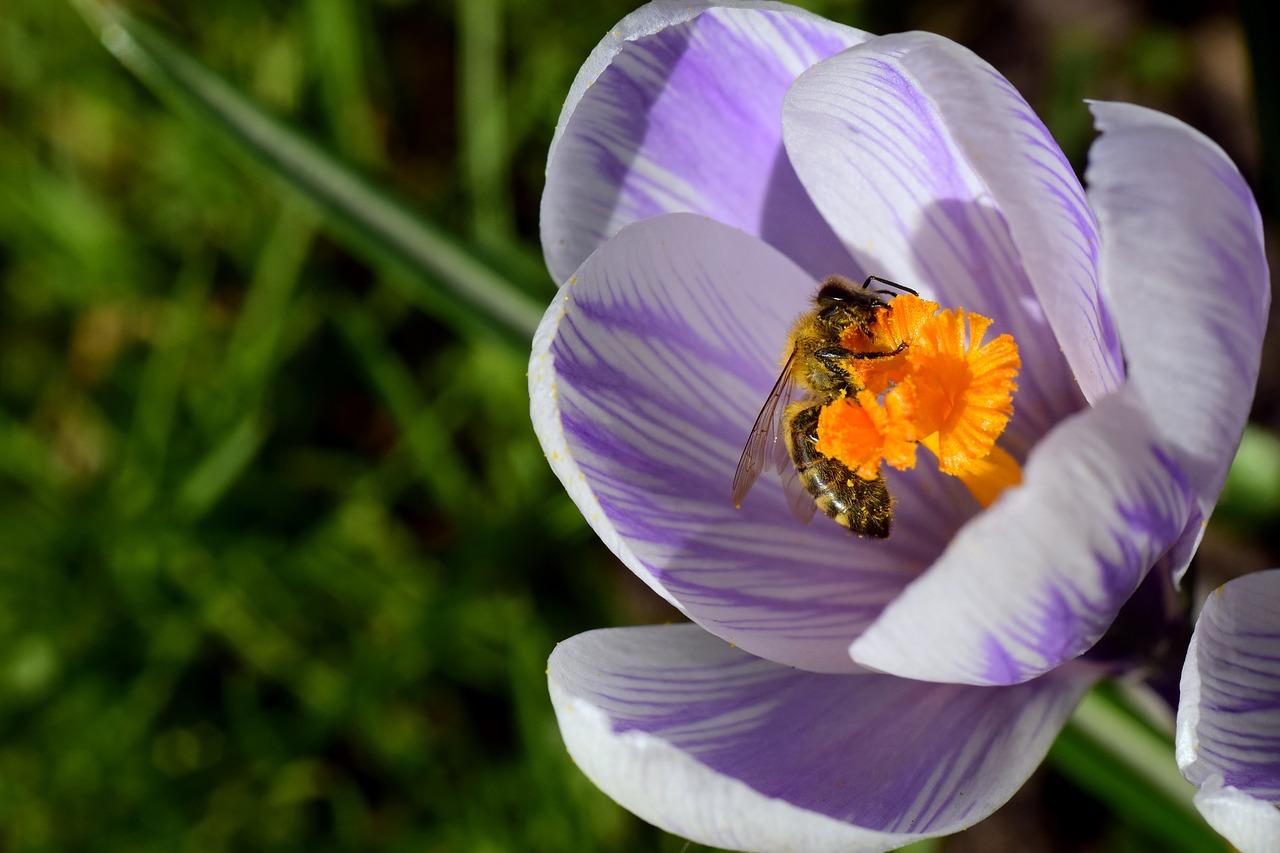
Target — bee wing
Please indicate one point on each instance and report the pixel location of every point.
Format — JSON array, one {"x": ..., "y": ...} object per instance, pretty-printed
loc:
[
  {"x": 798, "y": 497},
  {"x": 764, "y": 442}
]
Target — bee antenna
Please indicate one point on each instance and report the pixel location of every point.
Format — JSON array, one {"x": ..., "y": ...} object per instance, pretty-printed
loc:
[{"x": 892, "y": 284}]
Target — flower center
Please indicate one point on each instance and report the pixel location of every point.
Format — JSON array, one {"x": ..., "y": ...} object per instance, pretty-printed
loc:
[{"x": 946, "y": 390}]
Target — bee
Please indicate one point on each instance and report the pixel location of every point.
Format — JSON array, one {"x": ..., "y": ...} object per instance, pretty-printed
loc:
[{"x": 817, "y": 371}]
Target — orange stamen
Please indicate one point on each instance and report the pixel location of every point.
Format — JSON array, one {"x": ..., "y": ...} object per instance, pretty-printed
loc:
[
  {"x": 962, "y": 390},
  {"x": 946, "y": 389},
  {"x": 862, "y": 434},
  {"x": 987, "y": 477}
]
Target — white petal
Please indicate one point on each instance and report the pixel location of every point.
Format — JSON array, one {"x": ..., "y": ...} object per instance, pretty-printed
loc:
[
  {"x": 1229, "y": 707},
  {"x": 729, "y": 750},
  {"x": 1038, "y": 578},
  {"x": 678, "y": 109},
  {"x": 1183, "y": 263},
  {"x": 1250, "y": 824}
]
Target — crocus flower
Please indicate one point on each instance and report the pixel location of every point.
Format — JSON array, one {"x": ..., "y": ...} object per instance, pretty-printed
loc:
[
  {"x": 714, "y": 162},
  {"x": 1229, "y": 712}
]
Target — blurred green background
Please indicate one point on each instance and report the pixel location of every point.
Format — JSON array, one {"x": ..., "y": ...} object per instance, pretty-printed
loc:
[{"x": 280, "y": 559}]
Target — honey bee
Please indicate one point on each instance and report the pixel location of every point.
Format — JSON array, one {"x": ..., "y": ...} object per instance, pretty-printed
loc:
[{"x": 817, "y": 371}]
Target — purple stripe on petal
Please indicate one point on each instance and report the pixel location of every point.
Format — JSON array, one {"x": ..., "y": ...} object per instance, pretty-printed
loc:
[
  {"x": 688, "y": 119},
  {"x": 1183, "y": 259},
  {"x": 890, "y": 170},
  {"x": 662, "y": 351},
  {"x": 1229, "y": 711},
  {"x": 878, "y": 753},
  {"x": 1037, "y": 579}
]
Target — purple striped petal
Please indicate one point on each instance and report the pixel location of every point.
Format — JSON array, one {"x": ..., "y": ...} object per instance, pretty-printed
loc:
[
  {"x": 1183, "y": 262},
  {"x": 1229, "y": 710},
  {"x": 1251, "y": 825},
  {"x": 646, "y": 378},
  {"x": 936, "y": 173},
  {"x": 729, "y": 750},
  {"x": 1037, "y": 579},
  {"x": 678, "y": 109}
]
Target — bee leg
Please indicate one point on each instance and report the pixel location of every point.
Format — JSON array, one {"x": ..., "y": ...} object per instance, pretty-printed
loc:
[
  {"x": 833, "y": 357},
  {"x": 899, "y": 348}
]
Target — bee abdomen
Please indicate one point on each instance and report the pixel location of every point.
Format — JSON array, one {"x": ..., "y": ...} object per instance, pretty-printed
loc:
[{"x": 863, "y": 506}]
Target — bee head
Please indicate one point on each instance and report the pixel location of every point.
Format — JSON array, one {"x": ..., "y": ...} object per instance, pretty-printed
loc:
[
  {"x": 841, "y": 304},
  {"x": 838, "y": 292}
]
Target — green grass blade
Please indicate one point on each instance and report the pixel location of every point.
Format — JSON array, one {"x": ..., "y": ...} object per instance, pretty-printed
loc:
[
  {"x": 378, "y": 222},
  {"x": 220, "y": 468},
  {"x": 426, "y": 436},
  {"x": 482, "y": 118},
  {"x": 253, "y": 351},
  {"x": 138, "y": 481},
  {"x": 1111, "y": 754},
  {"x": 333, "y": 32}
]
